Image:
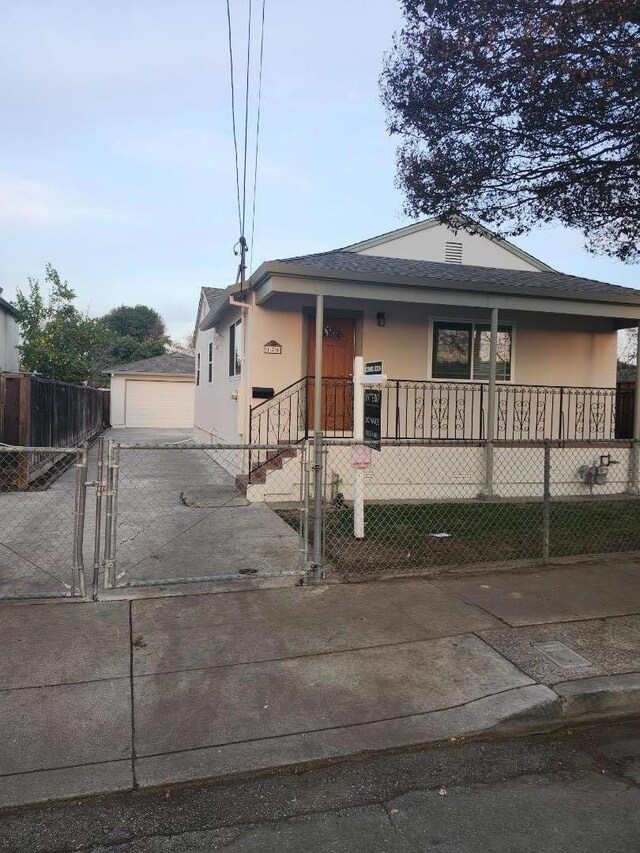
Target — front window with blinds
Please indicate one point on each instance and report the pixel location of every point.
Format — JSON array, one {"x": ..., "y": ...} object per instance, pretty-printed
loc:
[
  {"x": 235, "y": 348},
  {"x": 462, "y": 351},
  {"x": 210, "y": 362}
]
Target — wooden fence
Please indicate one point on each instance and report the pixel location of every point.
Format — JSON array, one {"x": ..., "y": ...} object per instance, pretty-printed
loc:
[{"x": 37, "y": 412}]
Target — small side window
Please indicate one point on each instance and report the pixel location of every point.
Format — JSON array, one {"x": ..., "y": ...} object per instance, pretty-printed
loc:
[
  {"x": 198, "y": 368},
  {"x": 235, "y": 348},
  {"x": 211, "y": 362}
]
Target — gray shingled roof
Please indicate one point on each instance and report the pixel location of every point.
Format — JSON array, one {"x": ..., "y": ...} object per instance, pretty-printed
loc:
[
  {"x": 176, "y": 363},
  {"x": 486, "y": 278},
  {"x": 211, "y": 294}
]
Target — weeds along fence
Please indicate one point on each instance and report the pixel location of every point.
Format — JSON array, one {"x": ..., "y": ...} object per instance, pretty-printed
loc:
[{"x": 429, "y": 507}]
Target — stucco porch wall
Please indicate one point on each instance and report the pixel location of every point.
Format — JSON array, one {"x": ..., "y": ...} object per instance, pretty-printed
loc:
[
  {"x": 547, "y": 349},
  {"x": 429, "y": 473}
]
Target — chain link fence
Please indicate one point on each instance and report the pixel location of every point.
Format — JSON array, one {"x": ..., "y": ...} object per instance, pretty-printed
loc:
[
  {"x": 156, "y": 514},
  {"x": 427, "y": 507},
  {"x": 41, "y": 521}
]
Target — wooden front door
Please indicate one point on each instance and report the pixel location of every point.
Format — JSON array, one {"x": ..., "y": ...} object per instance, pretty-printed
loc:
[{"x": 338, "y": 349}]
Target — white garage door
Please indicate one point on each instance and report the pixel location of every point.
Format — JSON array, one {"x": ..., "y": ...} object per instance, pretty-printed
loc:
[{"x": 158, "y": 404}]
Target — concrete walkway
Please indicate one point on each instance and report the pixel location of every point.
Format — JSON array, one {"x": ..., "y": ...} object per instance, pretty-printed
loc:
[{"x": 109, "y": 695}]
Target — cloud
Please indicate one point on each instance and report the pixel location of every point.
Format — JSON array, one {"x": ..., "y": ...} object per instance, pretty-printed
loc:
[{"x": 25, "y": 201}]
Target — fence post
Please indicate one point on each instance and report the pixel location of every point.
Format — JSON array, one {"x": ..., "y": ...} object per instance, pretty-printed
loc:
[
  {"x": 100, "y": 489},
  {"x": 546, "y": 502},
  {"x": 109, "y": 581},
  {"x": 317, "y": 444},
  {"x": 304, "y": 509},
  {"x": 79, "y": 517},
  {"x": 633, "y": 486}
]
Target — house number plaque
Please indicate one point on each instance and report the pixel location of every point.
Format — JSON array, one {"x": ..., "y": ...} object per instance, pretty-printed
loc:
[{"x": 273, "y": 348}]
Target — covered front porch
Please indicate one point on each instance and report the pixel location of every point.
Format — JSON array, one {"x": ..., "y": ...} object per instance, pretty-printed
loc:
[{"x": 454, "y": 372}]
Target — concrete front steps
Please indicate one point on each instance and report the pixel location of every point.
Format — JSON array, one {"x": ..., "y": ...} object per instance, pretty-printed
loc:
[{"x": 276, "y": 479}]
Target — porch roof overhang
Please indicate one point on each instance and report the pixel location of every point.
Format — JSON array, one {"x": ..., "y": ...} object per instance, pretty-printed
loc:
[
  {"x": 360, "y": 277},
  {"x": 442, "y": 293}
]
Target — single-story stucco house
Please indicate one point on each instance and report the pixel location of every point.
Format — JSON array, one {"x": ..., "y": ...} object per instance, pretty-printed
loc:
[
  {"x": 153, "y": 392},
  {"x": 9, "y": 358},
  {"x": 430, "y": 303}
]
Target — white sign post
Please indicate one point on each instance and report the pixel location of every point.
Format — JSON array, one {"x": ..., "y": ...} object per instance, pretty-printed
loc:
[{"x": 359, "y": 458}]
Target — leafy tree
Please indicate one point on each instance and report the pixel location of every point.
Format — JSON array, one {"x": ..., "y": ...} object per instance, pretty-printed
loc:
[
  {"x": 57, "y": 340},
  {"x": 139, "y": 332},
  {"x": 136, "y": 321},
  {"x": 519, "y": 112}
]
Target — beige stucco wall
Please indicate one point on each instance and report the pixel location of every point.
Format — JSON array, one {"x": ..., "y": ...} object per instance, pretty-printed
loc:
[
  {"x": 288, "y": 328},
  {"x": 547, "y": 349},
  {"x": 429, "y": 245},
  {"x": 433, "y": 473}
]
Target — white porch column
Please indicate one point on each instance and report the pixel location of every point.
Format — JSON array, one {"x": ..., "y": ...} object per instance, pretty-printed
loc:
[
  {"x": 491, "y": 403},
  {"x": 317, "y": 443},
  {"x": 636, "y": 407},
  {"x": 634, "y": 456}
]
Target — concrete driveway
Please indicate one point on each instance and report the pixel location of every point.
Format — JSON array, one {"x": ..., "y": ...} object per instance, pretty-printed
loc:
[{"x": 178, "y": 516}]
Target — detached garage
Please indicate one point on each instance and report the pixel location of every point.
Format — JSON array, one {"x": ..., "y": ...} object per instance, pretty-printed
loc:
[{"x": 155, "y": 392}]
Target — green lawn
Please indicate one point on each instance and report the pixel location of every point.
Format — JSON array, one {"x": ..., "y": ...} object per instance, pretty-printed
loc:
[{"x": 400, "y": 536}]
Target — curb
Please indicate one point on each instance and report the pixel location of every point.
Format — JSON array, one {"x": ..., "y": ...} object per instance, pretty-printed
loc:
[
  {"x": 607, "y": 697},
  {"x": 533, "y": 709}
]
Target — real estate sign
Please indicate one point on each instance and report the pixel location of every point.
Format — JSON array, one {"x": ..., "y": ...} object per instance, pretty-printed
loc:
[{"x": 373, "y": 416}]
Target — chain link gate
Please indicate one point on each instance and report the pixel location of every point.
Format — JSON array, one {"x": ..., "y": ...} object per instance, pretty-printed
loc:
[{"x": 190, "y": 513}]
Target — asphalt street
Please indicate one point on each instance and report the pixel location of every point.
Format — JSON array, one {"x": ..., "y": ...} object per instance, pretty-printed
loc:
[{"x": 575, "y": 791}]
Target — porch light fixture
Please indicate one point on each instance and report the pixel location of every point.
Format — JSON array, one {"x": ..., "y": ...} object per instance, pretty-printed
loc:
[{"x": 381, "y": 318}]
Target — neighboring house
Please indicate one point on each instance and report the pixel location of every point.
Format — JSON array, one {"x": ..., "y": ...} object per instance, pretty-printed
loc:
[
  {"x": 154, "y": 392},
  {"x": 9, "y": 358}
]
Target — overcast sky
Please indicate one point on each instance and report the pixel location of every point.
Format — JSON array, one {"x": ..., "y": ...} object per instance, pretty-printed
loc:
[{"x": 116, "y": 157}]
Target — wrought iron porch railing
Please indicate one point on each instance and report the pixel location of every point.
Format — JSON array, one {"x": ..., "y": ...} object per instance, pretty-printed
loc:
[
  {"x": 445, "y": 410},
  {"x": 419, "y": 409},
  {"x": 287, "y": 418}
]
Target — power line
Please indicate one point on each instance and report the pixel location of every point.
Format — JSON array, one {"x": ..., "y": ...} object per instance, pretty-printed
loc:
[
  {"x": 255, "y": 170},
  {"x": 241, "y": 171},
  {"x": 246, "y": 122},
  {"x": 233, "y": 115}
]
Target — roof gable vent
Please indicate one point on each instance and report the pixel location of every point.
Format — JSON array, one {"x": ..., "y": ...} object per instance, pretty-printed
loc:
[{"x": 453, "y": 253}]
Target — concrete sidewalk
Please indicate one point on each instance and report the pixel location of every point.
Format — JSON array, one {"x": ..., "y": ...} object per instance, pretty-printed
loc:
[{"x": 112, "y": 695}]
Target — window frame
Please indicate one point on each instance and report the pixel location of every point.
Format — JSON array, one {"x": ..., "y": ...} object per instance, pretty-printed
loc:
[
  {"x": 473, "y": 323},
  {"x": 210, "y": 362},
  {"x": 198, "y": 360},
  {"x": 235, "y": 349}
]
